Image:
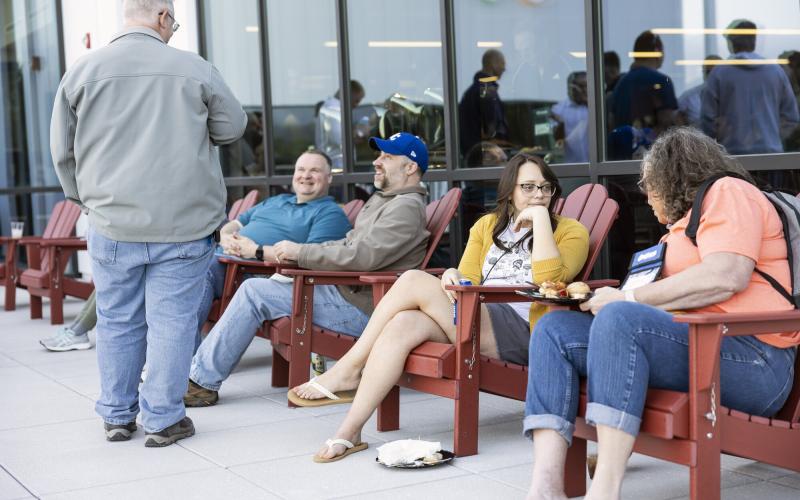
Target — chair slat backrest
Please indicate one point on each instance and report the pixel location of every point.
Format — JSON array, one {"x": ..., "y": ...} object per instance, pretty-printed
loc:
[
  {"x": 592, "y": 207},
  {"x": 439, "y": 213},
  {"x": 61, "y": 224},
  {"x": 242, "y": 205},
  {"x": 351, "y": 210}
]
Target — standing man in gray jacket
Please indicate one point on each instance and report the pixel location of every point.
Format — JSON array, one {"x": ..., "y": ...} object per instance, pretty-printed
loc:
[{"x": 132, "y": 138}]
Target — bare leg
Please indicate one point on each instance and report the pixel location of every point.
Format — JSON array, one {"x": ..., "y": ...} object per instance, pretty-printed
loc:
[
  {"x": 384, "y": 366},
  {"x": 413, "y": 291},
  {"x": 613, "y": 450},
  {"x": 549, "y": 456}
]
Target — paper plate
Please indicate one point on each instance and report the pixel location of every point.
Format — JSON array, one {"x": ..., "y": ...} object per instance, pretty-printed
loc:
[
  {"x": 447, "y": 456},
  {"x": 561, "y": 301}
]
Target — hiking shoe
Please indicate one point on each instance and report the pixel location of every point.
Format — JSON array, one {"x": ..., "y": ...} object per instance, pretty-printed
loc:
[
  {"x": 174, "y": 432},
  {"x": 198, "y": 396},
  {"x": 119, "y": 432},
  {"x": 66, "y": 340}
]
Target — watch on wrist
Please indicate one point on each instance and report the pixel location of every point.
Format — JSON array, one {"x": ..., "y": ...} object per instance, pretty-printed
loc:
[{"x": 260, "y": 253}]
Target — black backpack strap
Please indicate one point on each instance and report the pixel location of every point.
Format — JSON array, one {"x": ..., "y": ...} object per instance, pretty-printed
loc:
[
  {"x": 777, "y": 286},
  {"x": 697, "y": 205}
]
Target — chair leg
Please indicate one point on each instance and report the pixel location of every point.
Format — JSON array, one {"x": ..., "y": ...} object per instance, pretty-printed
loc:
[
  {"x": 280, "y": 370},
  {"x": 11, "y": 295},
  {"x": 465, "y": 435},
  {"x": 704, "y": 478},
  {"x": 575, "y": 469},
  {"x": 56, "y": 307},
  {"x": 36, "y": 307},
  {"x": 389, "y": 411},
  {"x": 299, "y": 365}
]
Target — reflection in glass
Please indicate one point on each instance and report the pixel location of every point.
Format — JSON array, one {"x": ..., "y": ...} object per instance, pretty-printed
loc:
[
  {"x": 232, "y": 45},
  {"x": 521, "y": 81},
  {"x": 29, "y": 76},
  {"x": 728, "y": 68},
  {"x": 304, "y": 80},
  {"x": 396, "y": 54}
]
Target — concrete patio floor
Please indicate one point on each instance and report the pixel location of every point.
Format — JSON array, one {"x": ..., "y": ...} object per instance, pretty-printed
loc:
[{"x": 252, "y": 446}]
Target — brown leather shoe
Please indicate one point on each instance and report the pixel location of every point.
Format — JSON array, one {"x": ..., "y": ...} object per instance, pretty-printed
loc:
[{"x": 198, "y": 396}]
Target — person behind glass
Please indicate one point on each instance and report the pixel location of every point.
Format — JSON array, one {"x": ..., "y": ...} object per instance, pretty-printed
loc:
[
  {"x": 690, "y": 102},
  {"x": 611, "y": 71},
  {"x": 519, "y": 241},
  {"x": 389, "y": 234},
  {"x": 630, "y": 342},
  {"x": 572, "y": 119},
  {"x": 485, "y": 153},
  {"x": 133, "y": 137},
  {"x": 748, "y": 108},
  {"x": 644, "y": 97},
  {"x": 328, "y": 127},
  {"x": 481, "y": 114}
]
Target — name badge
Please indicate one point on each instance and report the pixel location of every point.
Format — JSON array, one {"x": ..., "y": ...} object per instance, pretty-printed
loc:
[{"x": 645, "y": 267}]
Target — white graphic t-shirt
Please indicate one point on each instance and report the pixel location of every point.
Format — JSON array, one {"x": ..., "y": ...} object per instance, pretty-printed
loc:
[{"x": 502, "y": 268}]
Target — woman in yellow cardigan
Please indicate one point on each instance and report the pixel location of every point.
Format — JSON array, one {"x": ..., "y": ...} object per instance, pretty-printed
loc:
[{"x": 519, "y": 241}]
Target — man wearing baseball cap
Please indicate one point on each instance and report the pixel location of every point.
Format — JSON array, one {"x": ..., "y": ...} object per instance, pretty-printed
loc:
[
  {"x": 389, "y": 234},
  {"x": 748, "y": 104}
]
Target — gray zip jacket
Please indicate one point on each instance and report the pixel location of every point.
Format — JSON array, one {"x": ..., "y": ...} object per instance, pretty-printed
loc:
[{"x": 132, "y": 138}]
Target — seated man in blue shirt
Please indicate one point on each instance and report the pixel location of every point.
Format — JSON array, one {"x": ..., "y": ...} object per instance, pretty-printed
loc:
[{"x": 307, "y": 216}]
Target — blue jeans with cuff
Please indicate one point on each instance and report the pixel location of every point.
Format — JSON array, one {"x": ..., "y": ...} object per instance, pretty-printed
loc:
[
  {"x": 147, "y": 304},
  {"x": 258, "y": 300},
  {"x": 627, "y": 348}
]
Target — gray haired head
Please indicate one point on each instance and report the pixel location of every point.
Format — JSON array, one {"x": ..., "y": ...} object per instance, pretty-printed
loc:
[
  {"x": 678, "y": 162},
  {"x": 145, "y": 10}
]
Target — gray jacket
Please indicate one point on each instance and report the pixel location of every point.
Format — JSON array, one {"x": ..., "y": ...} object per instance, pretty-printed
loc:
[
  {"x": 389, "y": 234},
  {"x": 132, "y": 138}
]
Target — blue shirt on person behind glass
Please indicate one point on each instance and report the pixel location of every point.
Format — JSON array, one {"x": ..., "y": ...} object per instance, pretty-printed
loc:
[
  {"x": 749, "y": 108},
  {"x": 640, "y": 95},
  {"x": 281, "y": 218}
]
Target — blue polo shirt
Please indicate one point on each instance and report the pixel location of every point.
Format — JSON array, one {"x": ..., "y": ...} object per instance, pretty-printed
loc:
[
  {"x": 640, "y": 95},
  {"x": 281, "y": 218}
]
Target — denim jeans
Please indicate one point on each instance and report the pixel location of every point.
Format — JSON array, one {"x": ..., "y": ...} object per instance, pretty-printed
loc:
[
  {"x": 258, "y": 300},
  {"x": 628, "y": 347},
  {"x": 213, "y": 283},
  {"x": 147, "y": 303}
]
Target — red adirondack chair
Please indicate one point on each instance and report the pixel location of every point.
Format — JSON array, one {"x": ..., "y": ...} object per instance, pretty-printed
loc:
[
  {"x": 294, "y": 338},
  {"x": 8, "y": 272},
  {"x": 458, "y": 371},
  {"x": 236, "y": 269},
  {"x": 47, "y": 259},
  {"x": 242, "y": 205}
]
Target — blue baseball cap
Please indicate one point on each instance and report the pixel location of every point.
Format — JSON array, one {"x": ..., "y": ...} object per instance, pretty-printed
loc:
[{"x": 403, "y": 143}]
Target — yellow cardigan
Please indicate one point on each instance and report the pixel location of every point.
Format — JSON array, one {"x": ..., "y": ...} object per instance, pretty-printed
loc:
[{"x": 572, "y": 240}]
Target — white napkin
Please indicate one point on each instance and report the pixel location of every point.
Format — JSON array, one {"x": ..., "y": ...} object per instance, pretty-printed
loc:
[{"x": 407, "y": 451}]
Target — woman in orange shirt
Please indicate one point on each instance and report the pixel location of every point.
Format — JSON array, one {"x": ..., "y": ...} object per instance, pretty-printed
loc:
[{"x": 630, "y": 343}]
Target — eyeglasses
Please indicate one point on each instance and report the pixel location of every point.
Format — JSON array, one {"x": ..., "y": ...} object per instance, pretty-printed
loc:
[
  {"x": 546, "y": 189},
  {"x": 175, "y": 24}
]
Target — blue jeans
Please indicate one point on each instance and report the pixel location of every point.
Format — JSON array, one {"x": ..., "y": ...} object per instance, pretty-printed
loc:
[
  {"x": 147, "y": 303},
  {"x": 213, "y": 283},
  {"x": 627, "y": 348},
  {"x": 256, "y": 301}
]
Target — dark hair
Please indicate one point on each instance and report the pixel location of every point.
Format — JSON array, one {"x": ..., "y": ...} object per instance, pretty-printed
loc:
[
  {"x": 744, "y": 42},
  {"x": 679, "y": 161},
  {"x": 355, "y": 88},
  {"x": 648, "y": 41},
  {"x": 611, "y": 58},
  {"x": 505, "y": 191},
  {"x": 314, "y": 151}
]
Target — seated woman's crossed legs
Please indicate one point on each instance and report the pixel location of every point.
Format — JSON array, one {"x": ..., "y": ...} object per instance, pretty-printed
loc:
[{"x": 414, "y": 291}]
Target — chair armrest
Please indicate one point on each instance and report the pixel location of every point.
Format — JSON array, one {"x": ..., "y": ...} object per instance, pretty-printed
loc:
[
  {"x": 746, "y": 323},
  {"x": 29, "y": 240},
  {"x": 594, "y": 284},
  {"x": 230, "y": 259},
  {"x": 337, "y": 277},
  {"x": 74, "y": 243},
  {"x": 374, "y": 279}
]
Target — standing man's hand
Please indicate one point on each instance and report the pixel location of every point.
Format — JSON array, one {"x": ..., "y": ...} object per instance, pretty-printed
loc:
[{"x": 287, "y": 251}]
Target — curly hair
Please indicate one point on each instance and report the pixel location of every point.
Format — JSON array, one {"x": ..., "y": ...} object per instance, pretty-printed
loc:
[{"x": 679, "y": 161}]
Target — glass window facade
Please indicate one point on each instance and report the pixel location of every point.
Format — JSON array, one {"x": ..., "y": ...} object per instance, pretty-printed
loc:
[
  {"x": 522, "y": 82},
  {"x": 729, "y": 68},
  {"x": 396, "y": 58},
  {"x": 478, "y": 80}
]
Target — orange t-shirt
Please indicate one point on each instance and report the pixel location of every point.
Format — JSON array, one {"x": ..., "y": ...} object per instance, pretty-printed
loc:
[{"x": 737, "y": 218}]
